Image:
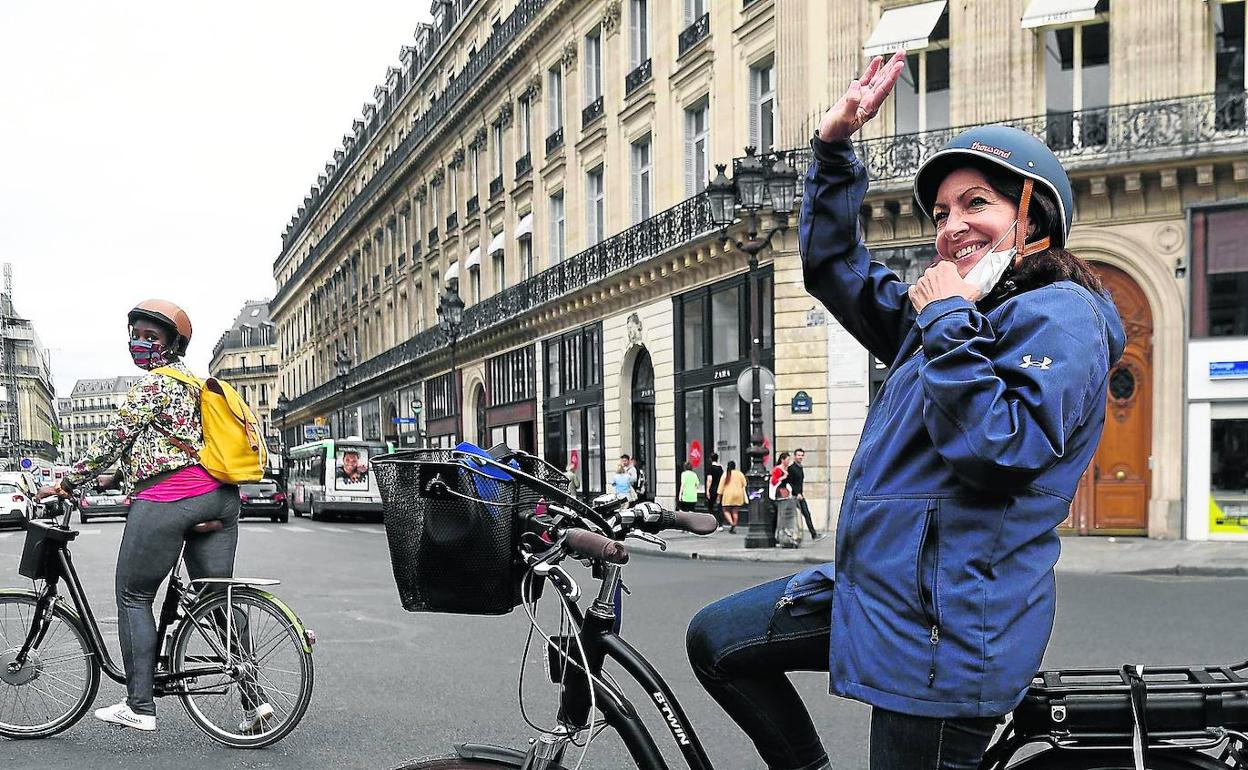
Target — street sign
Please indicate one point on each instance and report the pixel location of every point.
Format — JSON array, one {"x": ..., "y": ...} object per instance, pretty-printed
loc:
[
  {"x": 315, "y": 432},
  {"x": 802, "y": 403},
  {"x": 404, "y": 420},
  {"x": 745, "y": 383},
  {"x": 26, "y": 463},
  {"x": 1226, "y": 370}
]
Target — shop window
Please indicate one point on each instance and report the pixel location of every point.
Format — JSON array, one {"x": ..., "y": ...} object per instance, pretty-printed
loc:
[
  {"x": 693, "y": 329},
  {"x": 1228, "y": 472},
  {"x": 726, "y": 325},
  {"x": 1219, "y": 272}
]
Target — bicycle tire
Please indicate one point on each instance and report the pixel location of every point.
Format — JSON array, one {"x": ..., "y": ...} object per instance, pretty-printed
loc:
[
  {"x": 59, "y": 674},
  {"x": 221, "y": 714},
  {"x": 1059, "y": 759},
  {"x": 459, "y": 763}
]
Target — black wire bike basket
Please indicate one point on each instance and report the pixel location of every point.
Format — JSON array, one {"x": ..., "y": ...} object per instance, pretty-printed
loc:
[{"x": 450, "y": 523}]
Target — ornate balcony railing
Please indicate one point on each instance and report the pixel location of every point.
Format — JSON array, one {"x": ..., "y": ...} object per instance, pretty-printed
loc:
[
  {"x": 247, "y": 371},
  {"x": 555, "y": 140},
  {"x": 474, "y": 205},
  {"x": 639, "y": 76},
  {"x": 432, "y": 120},
  {"x": 694, "y": 34},
  {"x": 657, "y": 235},
  {"x": 1167, "y": 129},
  {"x": 591, "y": 112},
  {"x": 524, "y": 164},
  {"x": 452, "y": 222},
  {"x": 496, "y": 186}
]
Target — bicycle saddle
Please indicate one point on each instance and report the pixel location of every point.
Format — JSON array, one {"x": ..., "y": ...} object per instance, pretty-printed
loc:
[{"x": 212, "y": 525}]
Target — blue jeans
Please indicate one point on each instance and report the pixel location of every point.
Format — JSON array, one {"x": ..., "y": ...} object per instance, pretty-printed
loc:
[{"x": 742, "y": 648}]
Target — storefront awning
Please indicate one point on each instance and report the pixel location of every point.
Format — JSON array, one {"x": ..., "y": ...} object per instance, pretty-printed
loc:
[
  {"x": 452, "y": 273},
  {"x": 496, "y": 243},
  {"x": 907, "y": 27},
  {"x": 1046, "y": 13},
  {"x": 525, "y": 228},
  {"x": 474, "y": 257}
]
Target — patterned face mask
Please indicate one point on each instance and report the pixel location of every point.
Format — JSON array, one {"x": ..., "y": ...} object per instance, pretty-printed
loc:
[{"x": 148, "y": 354}]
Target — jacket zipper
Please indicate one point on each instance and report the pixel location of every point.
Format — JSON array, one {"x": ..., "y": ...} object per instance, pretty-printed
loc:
[{"x": 928, "y": 601}]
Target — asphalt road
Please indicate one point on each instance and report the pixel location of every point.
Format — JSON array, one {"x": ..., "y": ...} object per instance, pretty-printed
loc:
[{"x": 393, "y": 686}]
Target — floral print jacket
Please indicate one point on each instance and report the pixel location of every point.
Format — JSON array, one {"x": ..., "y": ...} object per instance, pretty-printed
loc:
[{"x": 143, "y": 450}]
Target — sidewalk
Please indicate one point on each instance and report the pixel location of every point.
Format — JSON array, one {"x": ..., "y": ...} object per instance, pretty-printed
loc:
[{"x": 1086, "y": 555}]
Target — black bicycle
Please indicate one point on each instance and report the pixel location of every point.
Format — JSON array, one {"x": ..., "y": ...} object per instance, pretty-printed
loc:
[
  {"x": 236, "y": 656},
  {"x": 483, "y": 534}
]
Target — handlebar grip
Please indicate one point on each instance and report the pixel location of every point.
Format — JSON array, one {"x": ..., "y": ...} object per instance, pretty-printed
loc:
[
  {"x": 592, "y": 545},
  {"x": 697, "y": 523}
]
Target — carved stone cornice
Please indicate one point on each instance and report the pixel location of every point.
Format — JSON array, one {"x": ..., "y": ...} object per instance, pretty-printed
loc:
[
  {"x": 420, "y": 193},
  {"x": 478, "y": 138},
  {"x": 611, "y": 17},
  {"x": 532, "y": 88},
  {"x": 457, "y": 157},
  {"x": 504, "y": 115},
  {"x": 568, "y": 57},
  {"x": 439, "y": 174}
]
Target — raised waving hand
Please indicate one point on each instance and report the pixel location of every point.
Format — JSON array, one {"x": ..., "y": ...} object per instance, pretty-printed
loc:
[{"x": 862, "y": 100}]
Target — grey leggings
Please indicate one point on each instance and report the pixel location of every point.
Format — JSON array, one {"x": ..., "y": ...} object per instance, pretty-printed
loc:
[{"x": 150, "y": 546}]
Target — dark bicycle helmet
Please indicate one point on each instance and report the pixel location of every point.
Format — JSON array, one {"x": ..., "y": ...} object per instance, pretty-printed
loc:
[
  {"x": 1011, "y": 149},
  {"x": 168, "y": 315}
]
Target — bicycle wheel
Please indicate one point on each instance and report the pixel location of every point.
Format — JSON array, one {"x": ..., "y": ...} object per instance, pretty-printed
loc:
[
  {"x": 259, "y": 695},
  {"x": 1057, "y": 759},
  {"x": 58, "y": 683}
]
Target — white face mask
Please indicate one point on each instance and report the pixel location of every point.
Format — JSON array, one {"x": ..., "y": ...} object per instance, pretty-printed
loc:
[{"x": 989, "y": 269}]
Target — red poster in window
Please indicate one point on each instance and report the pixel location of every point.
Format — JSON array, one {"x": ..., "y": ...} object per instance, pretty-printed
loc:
[
  {"x": 574, "y": 459},
  {"x": 695, "y": 453}
]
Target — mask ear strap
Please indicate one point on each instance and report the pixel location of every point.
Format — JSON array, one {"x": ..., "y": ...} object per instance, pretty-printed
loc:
[{"x": 1021, "y": 248}]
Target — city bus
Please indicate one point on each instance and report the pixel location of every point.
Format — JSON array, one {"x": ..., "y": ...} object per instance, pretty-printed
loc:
[{"x": 333, "y": 476}]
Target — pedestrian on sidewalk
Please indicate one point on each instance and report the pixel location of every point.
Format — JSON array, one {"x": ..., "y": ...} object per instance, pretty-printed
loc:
[
  {"x": 687, "y": 500},
  {"x": 622, "y": 483},
  {"x": 797, "y": 482},
  {"x": 940, "y": 604},
  {"x": 732, "y": 495},
  {"x": 787, "y": 531},
  {"x": 714, "y": 472}
]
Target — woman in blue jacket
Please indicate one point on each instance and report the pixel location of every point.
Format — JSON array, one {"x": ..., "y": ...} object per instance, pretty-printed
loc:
[{"x": 940, "y": 603}]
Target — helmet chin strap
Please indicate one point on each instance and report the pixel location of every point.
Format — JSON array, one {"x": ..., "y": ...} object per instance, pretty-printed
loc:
[{"x": 1021, "y": 248}]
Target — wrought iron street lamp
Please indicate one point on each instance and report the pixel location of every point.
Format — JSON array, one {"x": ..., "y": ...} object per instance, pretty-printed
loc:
[
  {"x": 758, "y": 182},
  {"x": 342, "y": 362},
  {"x": 450, "y": 321},
  {"x": 282, "y": 408}
]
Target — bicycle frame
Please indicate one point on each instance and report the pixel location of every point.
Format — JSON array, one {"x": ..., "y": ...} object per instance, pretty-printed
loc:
[{"x": 176, "y": 597}]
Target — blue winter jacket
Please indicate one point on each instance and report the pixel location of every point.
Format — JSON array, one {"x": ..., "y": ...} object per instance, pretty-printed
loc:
[{"x": 944, "y": 594}]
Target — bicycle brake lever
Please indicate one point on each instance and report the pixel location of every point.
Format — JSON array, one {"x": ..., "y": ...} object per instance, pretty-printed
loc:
[
  {"x": 561, "y": 579},
  {"x": 649, "y": 538}
]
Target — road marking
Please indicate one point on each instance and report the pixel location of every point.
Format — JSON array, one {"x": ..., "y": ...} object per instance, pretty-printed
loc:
[
  {"x": 332, "y": 529},
  {"x": 372, "y": 531},
  {"x": 293, "y": 528}
]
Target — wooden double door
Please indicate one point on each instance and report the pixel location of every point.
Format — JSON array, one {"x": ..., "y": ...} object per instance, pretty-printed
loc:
[{"x": 1113, "y": 493}]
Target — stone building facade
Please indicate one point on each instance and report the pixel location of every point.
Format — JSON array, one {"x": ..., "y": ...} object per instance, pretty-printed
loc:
[
  {"x": 246, "y": 356},
  {"x": 548, "y": 158}
]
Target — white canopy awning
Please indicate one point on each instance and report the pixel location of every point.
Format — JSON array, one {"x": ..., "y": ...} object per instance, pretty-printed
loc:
[
  {"x": 496, "y": 243},
  {"x": 525, "y": 227},
  {"x": 906, "y": 27},
  {"x": 452, "y": 274},
  {"x": 1046, "y": 13},
  {"x": 474, "y": 257}
]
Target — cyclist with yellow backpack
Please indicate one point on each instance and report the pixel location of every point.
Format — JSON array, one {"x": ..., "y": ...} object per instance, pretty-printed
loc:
[{"x": 182, "y": 445}]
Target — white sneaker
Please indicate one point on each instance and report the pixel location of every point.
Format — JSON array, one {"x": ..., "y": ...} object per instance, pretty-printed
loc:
[
  {"x": 121, "y": 714},
  {"x": 254, "y": 721}
]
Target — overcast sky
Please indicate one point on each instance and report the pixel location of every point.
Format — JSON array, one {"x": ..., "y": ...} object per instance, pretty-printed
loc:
[{"x": 158, "y": 149}]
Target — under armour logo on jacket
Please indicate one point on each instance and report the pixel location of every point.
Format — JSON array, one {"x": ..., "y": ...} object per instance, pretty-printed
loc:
[{"x": 1043, "y": 364}]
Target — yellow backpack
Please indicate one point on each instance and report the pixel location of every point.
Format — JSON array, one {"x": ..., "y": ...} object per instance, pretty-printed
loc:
[{"x": 234, "y": 451}]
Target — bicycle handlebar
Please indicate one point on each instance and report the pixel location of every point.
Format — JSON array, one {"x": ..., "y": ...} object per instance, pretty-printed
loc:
[
  {"x": 592, "y": 545},
  {"x": 697, "y": 523}
]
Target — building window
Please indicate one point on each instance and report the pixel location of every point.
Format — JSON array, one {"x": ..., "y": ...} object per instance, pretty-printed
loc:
[
  {"x": 694, "y": 10},
  {"x": 697, "y": 146},
  {"x": 574, "y": 397},
  {"x": 497, "y": 131},
  {"x": 500, "y": 271},
  {"x": 558, "y": 228},
  {"x": 642, "y": 187},
  {"x": 474, "y": 284},
  {"x": 510, "y": 377},
  {"x": 921, "y": 97},
  {"x": 523, "y": 127},
  {"x": 1076, "y": 82},
  {"x": 595, "y": 205},
  {"x": 763, "y": 106},
  {"x": 1219, "y": 272},
  {"x": 593, "y": 66},
  {"x": 1229, "y": 64},
  {"x": 554, "y": 100},
  {"x": 474, "y": 171},
  {"x": 526, "y": 258},
  {"x": 639, "y": 32}
]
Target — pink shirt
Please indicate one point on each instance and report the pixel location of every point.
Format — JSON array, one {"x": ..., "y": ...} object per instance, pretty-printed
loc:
[{"x": 190, "y": 481}]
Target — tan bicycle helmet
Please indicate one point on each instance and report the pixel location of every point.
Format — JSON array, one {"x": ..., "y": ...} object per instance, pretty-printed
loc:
[{"x": 169, "y": 315}]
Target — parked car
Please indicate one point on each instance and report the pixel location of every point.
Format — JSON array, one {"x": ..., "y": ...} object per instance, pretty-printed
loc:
[
  {"x": 264, "y": 498},
  {"x": 14, "y": 505},
  {"x": 110, "y": 502},
  {"x": 26, "y": 484}
]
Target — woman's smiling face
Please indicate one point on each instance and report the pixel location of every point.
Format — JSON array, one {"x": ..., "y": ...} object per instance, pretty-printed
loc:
[{"x": 971, "y": 218}]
